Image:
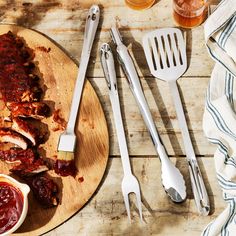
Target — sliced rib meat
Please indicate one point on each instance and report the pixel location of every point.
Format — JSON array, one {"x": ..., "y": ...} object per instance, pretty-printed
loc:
[
  {"x": 29, "y": 169},
  {"x": 44, "y": 189},
  {"x": 10, "y": 136},
  {"x": 18, "y": 155},
  {"x": 16, "y": 83},
  {"x": 25, "y": 129},
  {"x": 36, "y": 110},
  {"x": 19, "y": 87}
]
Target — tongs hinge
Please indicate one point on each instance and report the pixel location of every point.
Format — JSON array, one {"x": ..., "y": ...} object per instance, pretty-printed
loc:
[{"x": 107, "y": 61}]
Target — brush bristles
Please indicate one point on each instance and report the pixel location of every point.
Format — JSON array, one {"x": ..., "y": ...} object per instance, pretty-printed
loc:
[{"x": 65, "y": 156}]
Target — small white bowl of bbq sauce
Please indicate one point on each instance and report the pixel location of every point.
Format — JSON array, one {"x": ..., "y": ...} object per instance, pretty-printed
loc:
[{"x": 13, "y": 204}]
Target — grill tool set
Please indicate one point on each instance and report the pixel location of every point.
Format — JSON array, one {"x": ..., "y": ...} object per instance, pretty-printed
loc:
[{"x": 165, "y": 52}]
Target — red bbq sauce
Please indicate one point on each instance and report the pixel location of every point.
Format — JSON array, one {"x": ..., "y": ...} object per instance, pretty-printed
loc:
[
  {"x": 11, "y": 206},
  {"x": 65, "y": 168},
  {"x": 81, "y": 179},
  {"x": 59, "y": 120}
]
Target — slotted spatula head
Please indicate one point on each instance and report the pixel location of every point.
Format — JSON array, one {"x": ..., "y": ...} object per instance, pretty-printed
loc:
[{"x": 165, "y": 52}]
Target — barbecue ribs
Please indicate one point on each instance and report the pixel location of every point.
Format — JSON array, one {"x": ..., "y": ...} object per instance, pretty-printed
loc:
[
  {"x": 9, "y": 136},
  {"x": 44, "y": 189},
  {"x": 25, "y": 129},
  {"x": 18, "y": 155},
  {"x": 21, "y": 93},
  {"x": 36, "y": 110},
  {"x": 16, "y": 83}
]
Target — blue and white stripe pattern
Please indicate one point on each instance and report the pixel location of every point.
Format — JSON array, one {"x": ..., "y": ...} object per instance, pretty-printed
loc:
[
  {"x": 220, "y": 130},
  {"x": 225, "y": 34},
  {"x": 229, "y": 84},
  {"x": 219, "y": 120}
]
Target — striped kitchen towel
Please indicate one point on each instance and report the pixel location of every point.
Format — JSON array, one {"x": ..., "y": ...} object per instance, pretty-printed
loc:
[{"x": 219, "y": 119}]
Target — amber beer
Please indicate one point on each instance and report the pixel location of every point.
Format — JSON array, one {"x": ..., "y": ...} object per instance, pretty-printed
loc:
[
  {"x": 139, "y": 4},
  {"x": 189, "y": 13}
]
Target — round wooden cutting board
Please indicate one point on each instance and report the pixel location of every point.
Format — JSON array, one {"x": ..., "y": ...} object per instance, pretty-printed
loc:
[{"x": 58, "y": 75}]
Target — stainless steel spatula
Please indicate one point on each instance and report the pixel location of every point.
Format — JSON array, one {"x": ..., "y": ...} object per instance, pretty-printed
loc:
[{"x": 165, "y": 52}]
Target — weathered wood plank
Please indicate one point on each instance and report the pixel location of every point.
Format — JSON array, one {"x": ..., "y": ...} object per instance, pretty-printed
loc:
[
  {"x": 105, "y": 214},
  {"x": 160, "y": 101},
  {"x": 64, "y": 22}
]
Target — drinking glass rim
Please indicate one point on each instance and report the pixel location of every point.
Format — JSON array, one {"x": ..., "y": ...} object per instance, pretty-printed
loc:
[{"x": 195, "y": 12}]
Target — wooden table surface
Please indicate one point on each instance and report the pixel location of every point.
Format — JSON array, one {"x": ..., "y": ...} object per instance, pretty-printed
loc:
[{"x": 105, "y": 213}]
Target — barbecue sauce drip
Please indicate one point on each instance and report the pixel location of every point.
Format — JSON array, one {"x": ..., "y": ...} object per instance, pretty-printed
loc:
[
  {"x": 65, "y": 168},
  {"x": 59, "y": 120},
  {"x": 11, "y": 206}
]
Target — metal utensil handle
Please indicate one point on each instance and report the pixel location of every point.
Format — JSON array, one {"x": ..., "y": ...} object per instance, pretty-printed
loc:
[
  {"x": 199, "y": 189},
  {"x": 108, "y": 66},
  {"x": 181, "y": 118},
  {"x": 135, "y": 86},
  {"x": 120, "y": 133},
  {"x": 90, "y": 31}
]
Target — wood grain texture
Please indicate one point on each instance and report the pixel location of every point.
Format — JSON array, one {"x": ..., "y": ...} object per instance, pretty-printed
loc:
[
  {"x": 64, "y": 21},
  {"x": 161, "y": 216},
  {"x": 159, "y": 99},
  {"x": 105, "y": 213},
  {"x": 67, "y": 30},
  {"x": 58, "y": 73}
]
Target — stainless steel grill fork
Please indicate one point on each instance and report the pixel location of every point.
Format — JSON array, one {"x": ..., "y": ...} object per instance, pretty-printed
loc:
[{"x": 129, "y": 183}]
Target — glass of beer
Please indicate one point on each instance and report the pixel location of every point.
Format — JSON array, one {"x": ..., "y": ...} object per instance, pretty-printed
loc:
[
  {"x": 139, "y": 4},
  {"x": 189, "y": 13}
]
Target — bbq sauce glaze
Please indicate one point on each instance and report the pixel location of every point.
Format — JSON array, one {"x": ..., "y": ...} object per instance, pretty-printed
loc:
[
  {"x": 11, "y": 206},
  {"x": 14, "y": 74},
  {"x": 65, "y": 168}
]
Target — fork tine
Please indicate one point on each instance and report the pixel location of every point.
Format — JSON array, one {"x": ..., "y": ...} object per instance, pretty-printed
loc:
[
  {"x": 138, "y": 197},
  {"x": 126, "y": 199}
]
